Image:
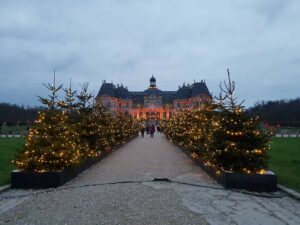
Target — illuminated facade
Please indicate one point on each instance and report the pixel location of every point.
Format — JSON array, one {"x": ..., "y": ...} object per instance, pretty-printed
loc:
[{"x": 152, "y": 103}]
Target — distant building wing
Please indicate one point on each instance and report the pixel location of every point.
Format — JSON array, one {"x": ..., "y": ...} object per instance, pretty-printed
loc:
[
  {"x": 121, "y": 92},
  {"x": 152, "y": 102},
  {"x": 200, "y": 88},
  {"x": 107, "y": 89},
  {"x": 184, "y": 92}
]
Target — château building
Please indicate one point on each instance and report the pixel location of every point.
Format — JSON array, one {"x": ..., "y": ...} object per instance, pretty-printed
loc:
[{"x": 151, "y": 103}]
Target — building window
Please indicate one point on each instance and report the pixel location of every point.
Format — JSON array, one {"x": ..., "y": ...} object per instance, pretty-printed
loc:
[
  {"x": 178, "y": 104},
  {"x": 127, "y": 105},
  {"x": 164, "y": 114},
  {"x": 120, "y": 105}
]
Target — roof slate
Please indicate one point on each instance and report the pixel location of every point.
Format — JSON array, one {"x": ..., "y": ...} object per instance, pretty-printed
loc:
[
  {"x": 183, "y": 92},
  {"x": 107, "y": 89},
  {"x": 200, "y": 88}
]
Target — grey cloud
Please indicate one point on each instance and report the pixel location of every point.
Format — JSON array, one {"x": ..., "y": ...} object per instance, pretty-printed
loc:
[{"x": 127, "y": 41}]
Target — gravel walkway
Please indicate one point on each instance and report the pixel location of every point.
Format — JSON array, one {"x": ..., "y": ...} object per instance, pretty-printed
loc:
[{"x": 145, "y": 202}]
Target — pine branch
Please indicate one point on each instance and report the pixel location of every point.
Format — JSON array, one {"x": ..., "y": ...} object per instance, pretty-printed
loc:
[{"x": 52, "y": 101}]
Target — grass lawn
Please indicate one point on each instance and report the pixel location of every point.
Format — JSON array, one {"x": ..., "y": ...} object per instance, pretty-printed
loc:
[
  {"x": 296, "y": 129},
  {"x": 8, "y": 148},
  {"x": 285, "y": 161}
]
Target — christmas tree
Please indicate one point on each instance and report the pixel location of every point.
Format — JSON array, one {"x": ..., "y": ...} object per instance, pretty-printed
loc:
[
  {"x": 69, "y": 102},
  {"x": 222, "y": 134},
  {"x": 192, "y": 128},
  {"x": 51, "y": 143},
  {"x": 106, "y": 131},
  {"x": 238, "y": 143},
  {"x": 86, "y": 124}
]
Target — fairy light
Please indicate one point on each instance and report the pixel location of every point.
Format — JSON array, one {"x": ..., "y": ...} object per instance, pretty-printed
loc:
[
  {"x": 56, "y": 142},
  {"x": 230, "y": 141}
]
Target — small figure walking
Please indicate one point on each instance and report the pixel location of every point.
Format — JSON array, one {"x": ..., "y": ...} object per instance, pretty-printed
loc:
[
  {"x": 142, "y": 129},
  {"x": 152, "y": 130},
  {"x": 158, "y": 128}
]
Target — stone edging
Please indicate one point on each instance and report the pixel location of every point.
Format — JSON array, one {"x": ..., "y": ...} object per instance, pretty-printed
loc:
[
  {"x": 4, "y": 188},
  {"x": 251, "y": 182},
  {"x": 35, "y": 180},
  {"x": 290, "y": 192}
]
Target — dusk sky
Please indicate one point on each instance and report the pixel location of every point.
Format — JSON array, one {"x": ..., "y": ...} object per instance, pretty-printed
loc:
[{"x": 126, "y": 41}]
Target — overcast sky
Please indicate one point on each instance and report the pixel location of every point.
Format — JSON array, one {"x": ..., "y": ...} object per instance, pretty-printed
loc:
[{"x": 126, "y": 41}]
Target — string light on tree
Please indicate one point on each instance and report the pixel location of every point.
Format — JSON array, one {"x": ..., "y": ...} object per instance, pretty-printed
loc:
[
  {"x": 67, "y": 132},
  {"x": 222, "y": 134}
]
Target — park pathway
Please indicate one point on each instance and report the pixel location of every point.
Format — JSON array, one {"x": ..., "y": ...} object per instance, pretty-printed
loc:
[{"x": 143, "y": 159}]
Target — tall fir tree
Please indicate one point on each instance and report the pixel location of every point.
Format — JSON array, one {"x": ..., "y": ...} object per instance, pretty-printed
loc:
[
  {"x": 106, "y": 130},
  {"x": 69, "y": 102},
  {"x": 51, "y": 102},
  {"x": 86, "y": 124},
  {"x": 239, "y": 143},
  {"x": 84, "y": 97},
  {"x": 192, "y": 128},
  {"x": 51, "y": 143}
]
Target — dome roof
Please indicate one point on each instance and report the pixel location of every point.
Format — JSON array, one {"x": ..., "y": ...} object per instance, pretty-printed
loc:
[
  {"x": 152, "y": 79},
  {"x": 151, "y": 91}
]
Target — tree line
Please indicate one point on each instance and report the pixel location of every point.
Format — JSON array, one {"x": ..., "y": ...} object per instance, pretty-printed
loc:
[
  {"x": 280, "y": 112},
  {"x": 11, "y": 114}
]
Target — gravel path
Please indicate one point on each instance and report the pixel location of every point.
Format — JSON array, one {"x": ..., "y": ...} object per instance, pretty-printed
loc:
[{"x": 145, "y": 202}]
